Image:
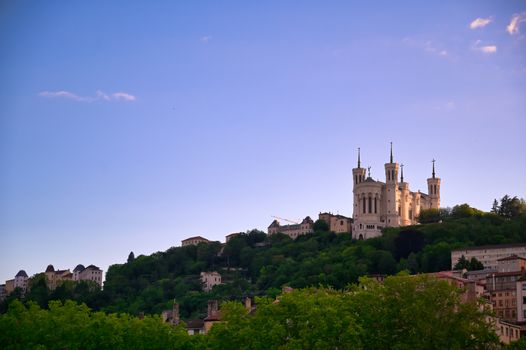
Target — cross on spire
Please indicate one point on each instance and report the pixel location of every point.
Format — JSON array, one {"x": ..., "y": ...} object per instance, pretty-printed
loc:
[
  {"x": 433, "y": 161},
  {"x": 369, "y": 171}
]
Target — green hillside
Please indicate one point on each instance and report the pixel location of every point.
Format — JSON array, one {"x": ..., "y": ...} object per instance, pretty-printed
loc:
[{"x": 254, "y": 264}]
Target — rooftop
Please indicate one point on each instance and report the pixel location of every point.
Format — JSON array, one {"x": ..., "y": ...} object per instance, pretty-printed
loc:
[
  {"x": 493, "y": 246},
  {"x": 195, "y": 237}
]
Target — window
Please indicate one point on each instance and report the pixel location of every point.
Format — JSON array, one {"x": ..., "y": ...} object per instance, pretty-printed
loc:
[
  {"x": 341, "y": 222},
  {"x": 375, "y": 200},
  {"x": 364, "y": 205},
  {"x": 524, "y": 300},
  {"x": 370, "y": 205}
]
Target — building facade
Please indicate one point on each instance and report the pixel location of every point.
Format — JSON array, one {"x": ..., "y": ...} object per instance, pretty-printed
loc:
[
  {"x": 379, "y": 204},
  {"x": 337, "y": 223},
  {"x": 520, "y": 292},
  {"x": 210, "y": 279},
  {"x": 21, "y": 280},
  {"x": 194, "y": 241},
  {"x": 293, "y": 231},
  {"x": 490, "y": 254}
]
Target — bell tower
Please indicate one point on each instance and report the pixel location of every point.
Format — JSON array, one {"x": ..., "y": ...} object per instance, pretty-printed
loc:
[
  {"x": 433, "y": 187},
  {"x": 358, "y": 177},
  {"x": 392, "y": 192}
]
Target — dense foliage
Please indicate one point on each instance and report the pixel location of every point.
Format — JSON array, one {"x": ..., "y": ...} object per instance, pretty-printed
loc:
[
  {"x": 252, "y": 263},
  {"x": 405, "y": 312}
]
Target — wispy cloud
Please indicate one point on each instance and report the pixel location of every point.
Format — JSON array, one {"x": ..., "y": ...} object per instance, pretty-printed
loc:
[
  {"x": 99, "y": 95},
  {"x": 515, "y": 21},
  {"x": 489, "y": 49},
  {"x": 123, "y": 96},
  {"x": 428, "y": 46},
  {"x": 63, "y": 94},
  {"x": 480, "y": 22},
  {"x": 206, "y": 39}
]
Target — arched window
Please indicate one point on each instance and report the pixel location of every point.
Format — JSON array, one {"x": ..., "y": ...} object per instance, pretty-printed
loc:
[
  {"x": 375, "y": 200},
  {"x": 360, "y": 237},
  {"x": 435, "y": 189},
  {"x": 392, "y": 175},
  {"x": 363, "y": 204},
  {"x": 370, "y": 205}
]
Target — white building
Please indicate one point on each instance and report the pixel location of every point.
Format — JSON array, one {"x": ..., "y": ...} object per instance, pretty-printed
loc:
[
  {"x": 379, "y": 204},
  {"x": 91, "y": 273},
  {"x": 21, "y": 279},
  {"x": 490, "y": 254},
  {"x": 210, "y": 279}
]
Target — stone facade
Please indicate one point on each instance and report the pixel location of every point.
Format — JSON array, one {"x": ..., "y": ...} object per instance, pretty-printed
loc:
[
  {"x": 379, "y": 204},
  {"x": 293, "y": 231},
  {"x": 194, "y": 241},
  {"x": 520, "y": 292},
  {"x": 337, "y": 223},
  {"x": 490, "y": 254},
  {"x": 210, "y": 279}
]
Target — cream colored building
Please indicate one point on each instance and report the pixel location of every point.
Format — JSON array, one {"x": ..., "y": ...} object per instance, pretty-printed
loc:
[
  {"x": 379, "y": 204},
  {"x": 511, "y": 263},
  {"x": 91, "y": 273},
  {"x": 337, "y": 223},
  {"x": 490, "y": 254},
  {"x": 194, "y": 241},
  {"x": 294, "y": 230},
  {"x": 55, "y": 277},
  {"x": 21, "y": 280},
  {"x": 9, "y": 286},
  {"x": 210, "y": 279}
]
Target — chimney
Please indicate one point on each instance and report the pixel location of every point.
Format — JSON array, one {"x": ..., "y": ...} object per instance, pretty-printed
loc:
[
  {"x": 248, "y": 304},
  {"x": 212, "y": 308},
  {"x": 175, "y": 313}
]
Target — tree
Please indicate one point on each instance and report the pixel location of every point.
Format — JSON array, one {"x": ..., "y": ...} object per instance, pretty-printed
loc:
[
  {"x": 428, "y": 216},
  {"x": 407, "y": 242},
  {"x": 511, "y": 207},
  {"x": 495, "y": 207},
  {"x": 131, "y": 257},
  {"x": 320, "y": 226},
  {"x": 464, "y": 211}
]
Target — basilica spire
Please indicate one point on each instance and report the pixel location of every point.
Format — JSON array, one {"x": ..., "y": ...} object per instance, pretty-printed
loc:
[
  {"x": 391, "y": 159},
  {"x": 401, "y": 172},
  {"x": 433, "y": 173},
  {"x": 358, "y": 157}
]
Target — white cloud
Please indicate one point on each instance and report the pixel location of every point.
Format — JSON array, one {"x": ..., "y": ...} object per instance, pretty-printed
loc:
[
  {"x": 516, "y": 19},
  {"x": 206, "y": 39},
  {"x": 63, "y": 94},
  {"x": 484, "y": 48},
  {"x": 99, "y": 95},
  {"x": 123, "y": 96},
  {"x": 480, "y": 22}
]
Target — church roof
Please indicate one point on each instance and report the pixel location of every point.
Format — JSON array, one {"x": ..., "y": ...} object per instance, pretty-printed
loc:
[
  {"x": 370, "y": 179},
  {"x": 50, "y": 268}
]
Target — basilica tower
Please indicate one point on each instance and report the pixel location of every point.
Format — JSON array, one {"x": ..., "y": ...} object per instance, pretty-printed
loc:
[
  {"x": 433, "y": 186},
  {"x": 392, "y": 192},
  {"x": 358, "y": 177}
]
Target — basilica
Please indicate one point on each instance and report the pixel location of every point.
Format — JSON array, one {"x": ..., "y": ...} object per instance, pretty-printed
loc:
[{"x": 379, "y": 204}]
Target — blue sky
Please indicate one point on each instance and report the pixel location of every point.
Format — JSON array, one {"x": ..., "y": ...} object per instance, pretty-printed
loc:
[{"x": 128, "y": 126}]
